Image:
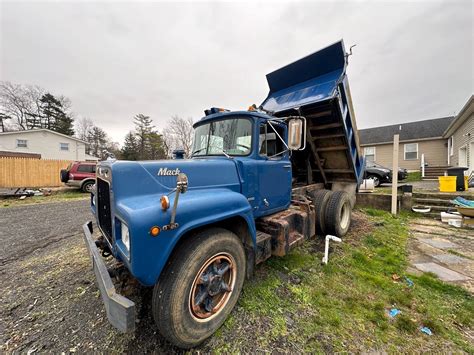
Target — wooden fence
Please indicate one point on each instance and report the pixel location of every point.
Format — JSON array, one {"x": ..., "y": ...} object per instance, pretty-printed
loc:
[{"x": 27, "y": 172}]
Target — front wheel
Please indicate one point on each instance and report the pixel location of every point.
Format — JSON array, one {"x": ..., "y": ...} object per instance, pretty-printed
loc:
[{"x": 199, "y": 287}]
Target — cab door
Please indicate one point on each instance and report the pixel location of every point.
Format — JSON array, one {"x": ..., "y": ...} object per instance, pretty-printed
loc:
[{"x": 273, "y": 169}]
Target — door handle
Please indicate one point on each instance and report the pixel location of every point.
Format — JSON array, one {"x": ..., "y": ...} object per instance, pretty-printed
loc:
[{"x": 287, "y": 166}]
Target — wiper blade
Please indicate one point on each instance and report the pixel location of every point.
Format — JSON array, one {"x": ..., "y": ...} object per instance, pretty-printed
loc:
[
  {"x": 197, "y": 151},
  {"x": 225, "y": 153}
]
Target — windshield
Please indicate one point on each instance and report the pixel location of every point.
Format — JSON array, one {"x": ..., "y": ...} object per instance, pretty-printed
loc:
[{"x": 231, "y": 136}]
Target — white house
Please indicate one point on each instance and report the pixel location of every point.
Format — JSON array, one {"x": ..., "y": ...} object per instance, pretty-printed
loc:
[{"x": 47, "y": 143}]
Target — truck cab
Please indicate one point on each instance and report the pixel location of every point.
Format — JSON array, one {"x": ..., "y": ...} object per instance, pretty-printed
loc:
[{"x": 257, "y": 184}]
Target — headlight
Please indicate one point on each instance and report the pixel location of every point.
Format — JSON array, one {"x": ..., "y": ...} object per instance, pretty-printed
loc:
[{"x": 125, "y": 236}]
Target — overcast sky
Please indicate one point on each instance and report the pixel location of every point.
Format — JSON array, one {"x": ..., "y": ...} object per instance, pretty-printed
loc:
[{"x": 413, "y": 60}]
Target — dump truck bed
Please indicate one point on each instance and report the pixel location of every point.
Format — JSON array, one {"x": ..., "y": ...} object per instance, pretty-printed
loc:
[{"x": 316, "y": 87}]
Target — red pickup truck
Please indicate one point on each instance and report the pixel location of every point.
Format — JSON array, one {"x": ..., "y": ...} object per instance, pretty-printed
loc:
[{"x": 79, "y": 174}]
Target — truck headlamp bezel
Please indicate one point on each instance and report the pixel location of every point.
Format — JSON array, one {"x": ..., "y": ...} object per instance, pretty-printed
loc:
[{"x": 125, "y": 235}]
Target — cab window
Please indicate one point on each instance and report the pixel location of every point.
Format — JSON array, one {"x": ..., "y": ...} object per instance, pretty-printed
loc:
[
  {"x": 270, "y": 145},
  {"x": 232, "y": 136}
]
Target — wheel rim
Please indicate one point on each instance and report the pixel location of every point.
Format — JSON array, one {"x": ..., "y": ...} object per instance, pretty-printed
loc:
[
  {"x": 345, "y": 216},
  {"x": 212, "y": 287},
  {"x": 89, "y": 187},
  {"x": 376, "y": 180}
]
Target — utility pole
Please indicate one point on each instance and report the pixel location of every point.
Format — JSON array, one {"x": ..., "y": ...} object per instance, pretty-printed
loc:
[{"x": 396, "y": 138}]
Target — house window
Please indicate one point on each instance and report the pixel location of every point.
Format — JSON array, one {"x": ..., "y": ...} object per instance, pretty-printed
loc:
[
  {"x": 64, "y": 146},
  {"x": 411, "y": 151},
  {"x": 451, "y": 146},
  {"x": 369, "y": 153},
  {"x": 21, "y": 143}
]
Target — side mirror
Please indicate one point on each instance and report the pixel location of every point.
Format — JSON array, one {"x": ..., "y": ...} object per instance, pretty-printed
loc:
[
  {"x": 182, "y": 183},
  {"x": 295, "y": 133}
]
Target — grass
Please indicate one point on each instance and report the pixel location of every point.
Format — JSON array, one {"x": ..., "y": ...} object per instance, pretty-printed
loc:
[
  {"x": 56, "y": 196},
  {"x": 413, "y": 176},
  {"x": 343, "y": 306}
]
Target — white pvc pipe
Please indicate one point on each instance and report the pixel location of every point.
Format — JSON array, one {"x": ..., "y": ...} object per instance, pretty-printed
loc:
[{"x": 326, "y": 247}]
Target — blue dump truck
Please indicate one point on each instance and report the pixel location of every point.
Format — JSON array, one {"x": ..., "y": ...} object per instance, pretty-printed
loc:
[{"x": 258, "y": 183}]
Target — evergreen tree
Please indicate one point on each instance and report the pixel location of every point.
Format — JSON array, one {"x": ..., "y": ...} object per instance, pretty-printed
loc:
[
  {"x": 130, "y": 150},
  {"x": 156, "y": 148},
  {"x": 64, "y": 124},
  {"x": 53, "y": 117},
  {"x": 97, "y": 141},
  {"x": 143, "y": 128}
]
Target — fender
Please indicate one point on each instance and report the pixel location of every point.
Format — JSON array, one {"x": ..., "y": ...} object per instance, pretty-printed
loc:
[{"x": 196, "y": 208}]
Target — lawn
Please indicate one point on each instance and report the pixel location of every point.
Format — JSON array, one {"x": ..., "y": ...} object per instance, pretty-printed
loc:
[
  {"x": 56, "y": 196},
  {"x": 296, "y": 304},
  {"x": 413, "y": 176}
]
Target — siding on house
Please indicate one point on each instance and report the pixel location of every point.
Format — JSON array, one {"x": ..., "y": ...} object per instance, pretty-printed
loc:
[
  {"x": 44, "y": 142},
  {"x": 434, "y": 150},
  {"x": 462, "y": 138}
]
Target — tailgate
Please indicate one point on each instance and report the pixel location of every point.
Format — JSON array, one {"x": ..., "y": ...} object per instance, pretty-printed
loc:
[{"x": 317, "y": 87}]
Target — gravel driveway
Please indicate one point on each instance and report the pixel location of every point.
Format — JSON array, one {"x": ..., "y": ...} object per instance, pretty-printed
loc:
[
  {"x": 50, "y": 300},
  {"x": 24, "y": 229}
]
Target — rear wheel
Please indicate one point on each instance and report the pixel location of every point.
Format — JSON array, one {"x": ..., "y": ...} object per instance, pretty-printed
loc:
[
  {"x": 87, "y": 186},
  {"x": 338, "y": 214},
  {"x": 199, "y": 287},
  {"x": 320, "y": 199},
  {"x": 375, "y": 179}
]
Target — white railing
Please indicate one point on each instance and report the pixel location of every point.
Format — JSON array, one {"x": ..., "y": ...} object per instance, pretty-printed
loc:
[{"x": 422, "y": 165}]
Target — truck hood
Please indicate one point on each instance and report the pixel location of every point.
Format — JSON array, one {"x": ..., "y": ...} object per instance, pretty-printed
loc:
[{"x": 147, "y": 177}]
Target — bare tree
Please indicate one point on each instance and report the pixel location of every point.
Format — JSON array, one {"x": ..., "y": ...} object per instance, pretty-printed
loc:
[
  {"x": 83, "y": 127},
  {"x": 178, "y": 134},
  {"x": 34, "y": 95},
  {"x": 15, "y": 104}
]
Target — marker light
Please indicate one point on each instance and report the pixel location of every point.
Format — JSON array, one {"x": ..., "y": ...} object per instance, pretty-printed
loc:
[
  {"x": 165, "y": 202},
  {"x": 154, "y": 231}
]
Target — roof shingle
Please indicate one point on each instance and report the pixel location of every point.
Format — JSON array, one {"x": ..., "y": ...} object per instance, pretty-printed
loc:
[{"x": 433, "y": 128}]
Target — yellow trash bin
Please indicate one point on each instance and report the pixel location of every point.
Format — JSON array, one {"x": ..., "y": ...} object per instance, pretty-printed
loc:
[{"x": 447, "y": 183}]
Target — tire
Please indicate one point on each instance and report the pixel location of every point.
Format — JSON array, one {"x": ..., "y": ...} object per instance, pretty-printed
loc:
[
  {"x": 64, "y": 175},
  {"x": 320, "y": 199},
  {"x": 338, "y": 214},
  {"x": 87, "y": 186},
  {"x": 178, "y": 312},
  {"x": 375, "y": 178}
]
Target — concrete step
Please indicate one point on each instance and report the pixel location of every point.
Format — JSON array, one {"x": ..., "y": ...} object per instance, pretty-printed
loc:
[
  {"x": 434, "y": 215},
  {"x": 431, "y": 201},
  {"x": 437, "y": 208},
  {"x": 438, "y": 195}
]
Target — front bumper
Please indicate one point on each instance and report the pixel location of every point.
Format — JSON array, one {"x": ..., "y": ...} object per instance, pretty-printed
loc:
[{"x": 120, "y": 310}]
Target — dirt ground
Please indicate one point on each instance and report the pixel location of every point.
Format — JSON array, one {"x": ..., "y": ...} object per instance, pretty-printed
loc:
[{"x": 51, "y": 303}]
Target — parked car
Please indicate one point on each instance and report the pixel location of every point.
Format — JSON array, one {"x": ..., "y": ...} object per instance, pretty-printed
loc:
[
  {"x": 381, "y": 174},
  {"x": 79, "y": 174}
]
